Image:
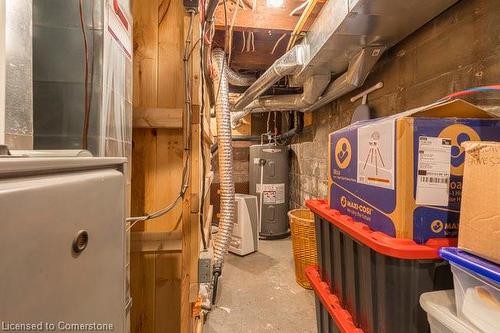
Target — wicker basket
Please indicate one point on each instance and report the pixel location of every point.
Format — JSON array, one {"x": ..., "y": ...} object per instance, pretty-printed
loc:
[{"x": 303, "y": 243}]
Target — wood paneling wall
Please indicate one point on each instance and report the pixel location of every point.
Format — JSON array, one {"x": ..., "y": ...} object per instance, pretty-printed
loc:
[
  {"x": 158, "y": 83},
  {"x": 155, "y": 268},
  {"x": 164, "y": 281}
]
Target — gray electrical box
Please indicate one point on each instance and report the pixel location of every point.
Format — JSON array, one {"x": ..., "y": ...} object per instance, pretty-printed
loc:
[
  {"x": 63, "y": 243},
  {"x": 274, "y": 223}
]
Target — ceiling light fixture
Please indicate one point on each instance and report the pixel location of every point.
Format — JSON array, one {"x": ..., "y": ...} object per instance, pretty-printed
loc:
[{"x": 275, "y": 3}]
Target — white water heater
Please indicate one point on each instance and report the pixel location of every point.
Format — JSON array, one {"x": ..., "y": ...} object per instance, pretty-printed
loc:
[{"x": 246, "y": 226}]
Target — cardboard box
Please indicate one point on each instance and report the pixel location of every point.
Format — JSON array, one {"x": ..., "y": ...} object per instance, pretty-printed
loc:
[
  {"x": 479, "y": 231},
  {"x": 402, "y": 175}
]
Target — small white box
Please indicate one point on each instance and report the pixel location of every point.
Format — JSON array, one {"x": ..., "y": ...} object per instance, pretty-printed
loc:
[{"x": 246, "y": 225}]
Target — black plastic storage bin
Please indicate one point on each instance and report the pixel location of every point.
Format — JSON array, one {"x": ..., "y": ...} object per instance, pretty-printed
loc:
[
  {"x": 376, "y": 278},
  {"x": 326, "y": 324},
  {"x": 330, "y": 315}
]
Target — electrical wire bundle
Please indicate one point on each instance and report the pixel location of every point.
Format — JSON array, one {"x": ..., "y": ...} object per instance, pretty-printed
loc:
[{"x": 470, "y": 91}]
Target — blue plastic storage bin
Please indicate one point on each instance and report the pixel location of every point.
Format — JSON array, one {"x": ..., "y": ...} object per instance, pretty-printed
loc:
[{"x": 477, "y": 288}]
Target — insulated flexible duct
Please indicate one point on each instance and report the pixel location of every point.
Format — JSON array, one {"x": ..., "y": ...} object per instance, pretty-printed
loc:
[
  {"x": 240, "y": 80},
  {"x": 225, "y": 158}
]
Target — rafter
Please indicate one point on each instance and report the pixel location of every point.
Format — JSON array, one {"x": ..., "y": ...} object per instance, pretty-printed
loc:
[
  {"x": 262, "y": 58},
  {"x": 263, "y": 18}
]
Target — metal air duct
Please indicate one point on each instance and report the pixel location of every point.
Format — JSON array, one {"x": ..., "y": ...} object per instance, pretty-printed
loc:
[
  {"x": 357, "y": 72},
  {"x": 289, "y": 63},
  {"x": 347, "y": 35},
  {"x": 313, "y": 88}
]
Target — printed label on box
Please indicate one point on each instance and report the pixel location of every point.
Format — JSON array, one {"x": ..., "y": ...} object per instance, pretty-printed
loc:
[
  {"x": 433, "y": 174},
  {"x": 376, "y": 154},
  {"x": 272, "y": 193}
]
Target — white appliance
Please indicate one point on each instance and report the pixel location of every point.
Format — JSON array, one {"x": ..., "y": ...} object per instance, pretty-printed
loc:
[
  {"x": 245, "y": 230},
  {"x": 63, "y": 243}
]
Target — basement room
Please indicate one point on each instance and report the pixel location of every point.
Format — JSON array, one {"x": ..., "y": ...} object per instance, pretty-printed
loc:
[{"x": 250, "y": 166}]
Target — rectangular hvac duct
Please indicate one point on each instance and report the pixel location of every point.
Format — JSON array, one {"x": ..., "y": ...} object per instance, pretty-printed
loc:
[
  {"x": 344, "y": 27},
  {"x": 344, "y": 42}
]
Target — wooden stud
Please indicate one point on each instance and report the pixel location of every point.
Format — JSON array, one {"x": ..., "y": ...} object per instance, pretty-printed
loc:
[
  {"x": 158, "y": 165},
  {"x": 299, "y": 27},
  {"x": 142, "y": 288},
  {"x": 167, "y": 284}
]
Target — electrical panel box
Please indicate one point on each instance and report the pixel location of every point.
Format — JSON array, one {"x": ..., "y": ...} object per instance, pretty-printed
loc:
[{"x": 205, "y": 266}]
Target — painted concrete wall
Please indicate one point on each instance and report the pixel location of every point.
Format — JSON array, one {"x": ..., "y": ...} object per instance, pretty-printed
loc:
[{"x": 458, "y": 49}]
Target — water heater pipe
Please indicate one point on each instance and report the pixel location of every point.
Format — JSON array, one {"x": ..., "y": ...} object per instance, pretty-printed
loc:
[{"x": 262, "y": 162}]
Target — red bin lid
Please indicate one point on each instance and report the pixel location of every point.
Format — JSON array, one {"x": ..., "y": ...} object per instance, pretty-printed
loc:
[
  {"x": 378, "y": 241},
  {"x": 341, "y": 316}
]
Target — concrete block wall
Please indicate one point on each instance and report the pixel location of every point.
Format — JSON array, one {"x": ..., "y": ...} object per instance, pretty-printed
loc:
[{"x": 458, "y": 49}]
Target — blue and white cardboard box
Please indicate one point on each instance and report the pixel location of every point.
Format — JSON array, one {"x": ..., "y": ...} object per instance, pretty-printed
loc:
[{"x": 402, "y": 175}]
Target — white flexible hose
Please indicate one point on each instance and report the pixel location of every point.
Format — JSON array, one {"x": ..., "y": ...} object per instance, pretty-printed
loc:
[{"x": 225, "y": 159}]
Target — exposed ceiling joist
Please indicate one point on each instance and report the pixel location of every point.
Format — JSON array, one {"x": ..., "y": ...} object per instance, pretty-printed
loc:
[
  {"x": 263, "y": 17},
  {"x": 261, "y": 58}
]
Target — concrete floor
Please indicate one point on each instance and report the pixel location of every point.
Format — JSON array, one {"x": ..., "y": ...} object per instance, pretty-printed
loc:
[{"x": 258, "y": 293}]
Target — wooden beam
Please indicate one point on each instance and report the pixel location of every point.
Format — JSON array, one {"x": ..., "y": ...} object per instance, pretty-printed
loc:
[
  {"x": 145, "y": 92},
  {"x": 299, "y": 27},
  {"x": 262, "y": 17},
  {"x": 144, "y": 117},
  {"x": 262, "y": 58}
]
